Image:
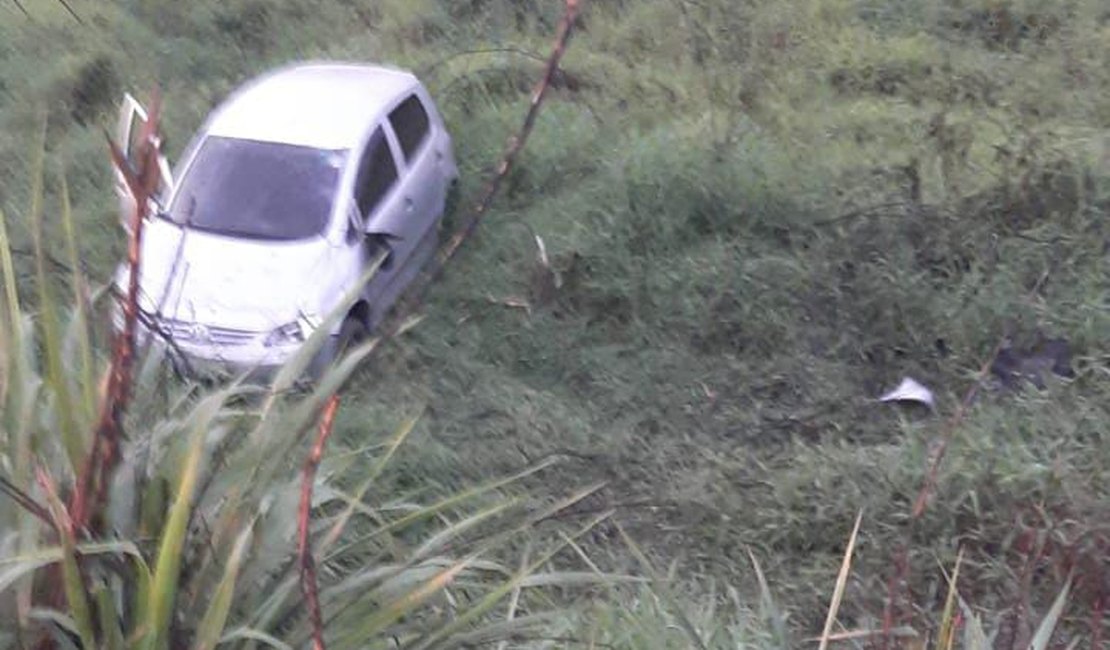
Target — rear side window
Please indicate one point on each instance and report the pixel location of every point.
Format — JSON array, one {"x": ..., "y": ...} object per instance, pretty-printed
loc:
[
  {"x": 410, "y": 122},
  {"x": 376, "y": 173}
]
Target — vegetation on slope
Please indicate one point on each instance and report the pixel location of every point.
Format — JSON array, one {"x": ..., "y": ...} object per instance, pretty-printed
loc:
[{"x": 761, "y": 215}]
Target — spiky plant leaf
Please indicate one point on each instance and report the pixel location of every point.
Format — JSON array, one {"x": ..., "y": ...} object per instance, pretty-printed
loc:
[
  {"x": 768, "y": 609},
  {"x": 53, "y": 340},
  {"x": 250, "y": 634},
  {"x": 78, "y": 335},
  {"x": 72, "y": 580},
  {"x": 111, "y": 634},
  {"x": 166, "y": 571},
  {"x": 441, "y": 636},
  {"x": 1048, "y": 624},
  {"x": 340, "y": 524},
  {"x": 212, "y": 625},
  {"x": 975, "y": 638},
  {"x": 378, "y": 623},
  {"x": 662, "y": 584}
]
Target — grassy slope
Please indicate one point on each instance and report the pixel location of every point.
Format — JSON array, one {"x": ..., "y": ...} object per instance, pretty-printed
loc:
[{"x": 720, "y": 329}]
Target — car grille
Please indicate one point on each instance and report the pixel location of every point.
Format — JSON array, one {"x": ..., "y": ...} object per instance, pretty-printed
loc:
[{"x": 197, "y": 333}]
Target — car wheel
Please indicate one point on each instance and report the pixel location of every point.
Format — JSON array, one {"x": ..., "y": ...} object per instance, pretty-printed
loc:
[
  {"x": 451, "y": 208},
  {"x": 351, "y": 333}
]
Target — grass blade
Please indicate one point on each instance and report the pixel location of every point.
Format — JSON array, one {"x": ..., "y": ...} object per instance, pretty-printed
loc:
[
  {"x": 11, "y": 293},
  {"x": 768, "y": 609},
  {"x": 1048, "y": 625},
  {"x": 29, "y": 562},
  {"x": 112, "y": 637},
  {"x": 439, "y": 506},
  {"x": 975, "y": 638},
  {"x": 506, "y": 629},
  {"x": 164, "y": 583},
  {"x": 19, "y": 389},
  {"x": 514, "y": 599},
  {"x": 18, "y": 373},
  {"x": 443, "y": 537},
  {"x": 341, "y": 522},
  {"x": 79, "y": 325},
  {"x": 578, "y": 578},
  {"x": 72, "y": 581},
  {"x": 661, "y": 584},
  {"x": 841, "y": 583},
  {"x": 215, "y": 618},
  {"x": 251, "y": 634},
  {"x": 491, "y": 599},
  {"x": 23, "y": 567},
  {"x": 52, "y": 340},
  {"x": 946, "y": 636},
  {"x": 375, "y": 625}
]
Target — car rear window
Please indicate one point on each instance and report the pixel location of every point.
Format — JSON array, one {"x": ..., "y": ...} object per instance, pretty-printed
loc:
[
  {"x": 258, "y": 190},
  {"x": 410, "y": 122}
]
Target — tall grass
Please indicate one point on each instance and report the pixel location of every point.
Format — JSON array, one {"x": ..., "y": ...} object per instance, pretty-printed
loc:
[{"x": 761, "y": 215}]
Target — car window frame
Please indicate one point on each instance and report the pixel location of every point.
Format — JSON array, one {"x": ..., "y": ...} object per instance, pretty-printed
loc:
[
  {"x": 400, "y": 169},
  {"x": 188, "y": 160},
  {"x": 423, "y": 101}
]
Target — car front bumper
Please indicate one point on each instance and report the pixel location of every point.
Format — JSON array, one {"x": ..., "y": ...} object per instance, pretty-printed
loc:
[{"x": 252, "y": 362}]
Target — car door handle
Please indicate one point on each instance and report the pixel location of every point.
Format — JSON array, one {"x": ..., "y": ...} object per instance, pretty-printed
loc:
[{"x": 409, "y": 204}]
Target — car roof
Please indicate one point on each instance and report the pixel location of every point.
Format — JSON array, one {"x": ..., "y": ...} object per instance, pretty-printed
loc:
[{"x": 322, "y": 105}]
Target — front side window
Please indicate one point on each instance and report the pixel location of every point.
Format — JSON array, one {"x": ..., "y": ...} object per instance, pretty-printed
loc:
[
  {"x": 410, "y": 123},
  {"x": 258, "y": 190},
  {"x": 376, "y": 173}
]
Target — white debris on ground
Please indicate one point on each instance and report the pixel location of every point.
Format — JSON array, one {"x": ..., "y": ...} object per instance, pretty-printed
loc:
[{"x": 910, "y": 390}]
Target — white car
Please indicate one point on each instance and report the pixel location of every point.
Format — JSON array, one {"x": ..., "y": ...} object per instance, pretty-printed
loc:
[{"x": 290, "y": 191}]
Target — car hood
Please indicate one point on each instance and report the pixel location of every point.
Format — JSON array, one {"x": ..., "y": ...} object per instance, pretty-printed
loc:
[{"x": 198, "y": 277}]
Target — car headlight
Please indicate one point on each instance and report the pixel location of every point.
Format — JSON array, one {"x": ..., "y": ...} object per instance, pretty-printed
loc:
[
  {"x": 294, "y": 332},
  {"x": 288, "y": 333}
]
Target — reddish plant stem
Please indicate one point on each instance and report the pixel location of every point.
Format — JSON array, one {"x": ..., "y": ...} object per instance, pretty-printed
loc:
[
  {"x": 516, "y": 142},
  {"x": 929, "y": 484},
  {"x": 508, "y": 158},
  {"x": 304, "y": 519},
  {"x": 893, "y": 589},
  {"x": 93, "y": 480},
  {"x": 900, "y": 578},
  {"x": 90, "y": 491}
]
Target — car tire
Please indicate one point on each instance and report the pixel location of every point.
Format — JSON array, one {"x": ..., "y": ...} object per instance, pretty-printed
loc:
[
  {"x": 351, "y": 333},
  {"x": 450, "y": 218}
]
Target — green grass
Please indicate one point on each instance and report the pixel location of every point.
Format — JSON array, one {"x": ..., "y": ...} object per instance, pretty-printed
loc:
[{"x": 705, "y": 180}]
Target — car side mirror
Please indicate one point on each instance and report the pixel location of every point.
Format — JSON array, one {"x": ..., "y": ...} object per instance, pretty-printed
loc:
[{"x": 381, "y": 246}]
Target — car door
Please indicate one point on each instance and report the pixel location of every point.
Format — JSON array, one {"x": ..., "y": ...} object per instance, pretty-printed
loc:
[
  {"x": 377, "y": 198},
  {"x": 132, "y": 118},
  {"x": 422, "y": 187}
]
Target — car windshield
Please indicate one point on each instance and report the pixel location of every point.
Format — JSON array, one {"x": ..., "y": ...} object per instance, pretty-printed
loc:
[{"x": 258, "y": 190}]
